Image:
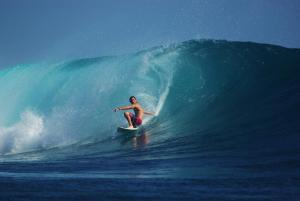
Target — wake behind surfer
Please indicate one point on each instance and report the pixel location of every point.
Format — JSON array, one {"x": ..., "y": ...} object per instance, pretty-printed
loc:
[{"x": 135, "y": 119}]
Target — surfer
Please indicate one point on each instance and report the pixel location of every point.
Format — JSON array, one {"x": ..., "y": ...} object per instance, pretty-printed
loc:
[{"x": 135, "y": 119}]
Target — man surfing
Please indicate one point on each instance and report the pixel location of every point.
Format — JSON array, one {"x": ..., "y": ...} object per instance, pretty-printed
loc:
[{"x": 135, "y": 119}]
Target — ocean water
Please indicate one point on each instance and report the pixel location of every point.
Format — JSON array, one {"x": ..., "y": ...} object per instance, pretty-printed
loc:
[{"x": 227, "y": 125}]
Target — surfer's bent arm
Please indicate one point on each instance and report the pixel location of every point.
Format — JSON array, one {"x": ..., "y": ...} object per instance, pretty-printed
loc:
[{"x": 149, "y": 113}]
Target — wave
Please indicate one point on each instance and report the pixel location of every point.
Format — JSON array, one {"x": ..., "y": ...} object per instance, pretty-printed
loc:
[
  {"x": 208, "y": 95},
  {"x": 73, "y": 100}
]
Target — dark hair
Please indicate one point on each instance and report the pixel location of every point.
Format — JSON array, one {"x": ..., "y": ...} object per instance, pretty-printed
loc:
[{"x": 132, "y": 97}]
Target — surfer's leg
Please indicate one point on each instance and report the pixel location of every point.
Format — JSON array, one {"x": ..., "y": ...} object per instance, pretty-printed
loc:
[{"x": 128, "y": 118}]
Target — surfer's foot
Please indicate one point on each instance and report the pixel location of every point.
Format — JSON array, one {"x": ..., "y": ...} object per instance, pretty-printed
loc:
[{"x": 130, "y": 127}]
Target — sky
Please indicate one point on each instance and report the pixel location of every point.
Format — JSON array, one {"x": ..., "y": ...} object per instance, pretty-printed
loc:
[{"x": 33, "y": 31}]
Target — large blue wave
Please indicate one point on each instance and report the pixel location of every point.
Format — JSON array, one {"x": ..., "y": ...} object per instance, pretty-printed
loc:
[
  {"x": 50, "y": 105},
  {"x": 212, "y": 99}
]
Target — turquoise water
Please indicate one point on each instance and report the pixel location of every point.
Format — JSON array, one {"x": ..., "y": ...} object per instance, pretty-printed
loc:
[{"x": 226, "y": 126}]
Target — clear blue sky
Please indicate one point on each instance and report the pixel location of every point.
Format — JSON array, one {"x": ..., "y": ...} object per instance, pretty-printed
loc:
[{"x": 51, "y": 30}]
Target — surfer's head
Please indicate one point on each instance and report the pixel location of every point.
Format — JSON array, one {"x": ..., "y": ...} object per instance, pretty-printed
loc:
[{"x": 132, "y": 99}]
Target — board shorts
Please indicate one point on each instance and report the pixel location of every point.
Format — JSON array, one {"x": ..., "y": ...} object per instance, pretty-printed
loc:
[{"x": 136, "y": 121}]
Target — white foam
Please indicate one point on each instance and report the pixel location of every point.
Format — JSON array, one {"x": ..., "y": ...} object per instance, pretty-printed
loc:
[
  {"x": 25, "y": 135},
  {"x": 164, "y": 68}
]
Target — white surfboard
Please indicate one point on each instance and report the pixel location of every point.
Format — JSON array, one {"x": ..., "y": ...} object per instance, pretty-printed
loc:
[{"x": 123, "y": 129}]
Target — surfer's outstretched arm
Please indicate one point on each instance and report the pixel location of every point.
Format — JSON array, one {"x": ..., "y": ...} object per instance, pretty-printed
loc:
[{"x": 129, "y": 107}]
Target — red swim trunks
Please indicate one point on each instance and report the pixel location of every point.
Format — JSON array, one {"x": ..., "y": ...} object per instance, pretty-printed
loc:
[{"x": 135, "y": 120}]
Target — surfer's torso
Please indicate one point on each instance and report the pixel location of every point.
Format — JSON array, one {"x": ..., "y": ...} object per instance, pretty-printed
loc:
[{"x": 138, "y": 110}]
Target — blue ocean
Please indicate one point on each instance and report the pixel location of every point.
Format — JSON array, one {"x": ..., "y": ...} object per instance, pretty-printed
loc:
[{"x": 226, "y": 126}]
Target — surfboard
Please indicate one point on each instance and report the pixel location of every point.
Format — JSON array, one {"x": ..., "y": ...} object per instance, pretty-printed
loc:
[{"x": 123, "y": 129}]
